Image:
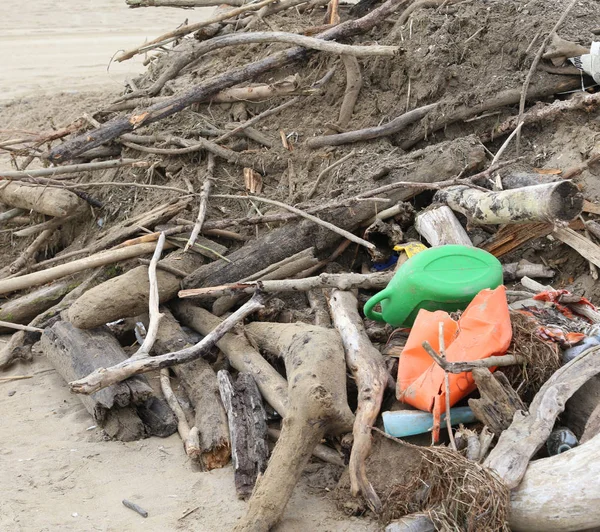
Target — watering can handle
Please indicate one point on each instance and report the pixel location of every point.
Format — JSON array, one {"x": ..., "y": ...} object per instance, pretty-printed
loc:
[{"x": 370, "y": 304}]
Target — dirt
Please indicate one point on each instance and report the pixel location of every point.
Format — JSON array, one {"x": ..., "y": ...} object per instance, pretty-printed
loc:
[{"x": 58, "y": 473}]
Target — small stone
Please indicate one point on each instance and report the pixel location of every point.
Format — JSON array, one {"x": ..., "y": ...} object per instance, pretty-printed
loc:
[{"x": 12, "y": 392}]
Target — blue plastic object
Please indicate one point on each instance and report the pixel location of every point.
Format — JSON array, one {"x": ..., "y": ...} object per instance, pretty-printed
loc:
[{"x": 402, "y": 423}]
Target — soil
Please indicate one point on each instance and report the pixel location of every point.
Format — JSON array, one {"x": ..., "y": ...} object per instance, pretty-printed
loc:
[{"x": 58, "y": 473}]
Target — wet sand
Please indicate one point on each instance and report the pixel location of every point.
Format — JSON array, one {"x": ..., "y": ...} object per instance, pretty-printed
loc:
[{"x": 47, "y": 46}]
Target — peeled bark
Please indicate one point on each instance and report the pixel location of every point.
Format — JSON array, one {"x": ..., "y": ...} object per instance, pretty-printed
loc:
[
  {"x": 314, "y": 359},
  {"x": 127, "y": 295},
  {"x": 550, "y": 202}
]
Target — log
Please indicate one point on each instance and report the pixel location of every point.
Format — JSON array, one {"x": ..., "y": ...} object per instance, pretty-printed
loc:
[
  {"x": 74, "y": 353},
  {"x": 371, "y": 376},
  {"x": 560, "y": 493},
  {"x": 46, "y": 200},
  {"x": 24, "y": 309},
  {"x": 440, "y": 226},
  {"x": 498, "y": 403},
  {"x": 342, "y": 281},
  {"x": 314, "y": 359},
  {"x": 528, "y": 432},
  {"x": 127, "y": 295},
  {"x": 552, "y": 202},
  {"x": 204, "y": 90},
  {"x": 200, "y": 384},
  {"x": 247, "y": 428}
]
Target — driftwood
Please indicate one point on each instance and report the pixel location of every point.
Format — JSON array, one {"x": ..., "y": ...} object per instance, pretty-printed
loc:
[
  {"x": 200, "y": 384},
  {"x": 528, "y": 432},
  {"x": 57, "y": 272},
  {"x": 71, "y": 169},
  {"x": 103, "y": 377},
  {"x": 440, "y": 226},
  {"x": 247, "y": 428},
  {"x": 540, "y": 504},
  {"x": 353, "y": 85},
  {"x": 77, "y": 145},
  {"x": 517, "y": 270},
  {"x": 181, "y": 3},
  {"x": 281, "y": 243},
  {"x": 592, "y": 427},
  {"x": 245, "y": 358},
  {"x": 498, "y": 402},
  {"x": 343, "y": 281},
  {"x": 371, "y": 376},
  {"x": 317, "y": 404},
  {"x": 585, "y": 247},
  {"x": 75, "y": 353},
  {"x": 550, "y": 202},
  {"x": 127, "y": 295},
  {"x": 24, "y": 309},
  {"x": 50, "y": 201}
]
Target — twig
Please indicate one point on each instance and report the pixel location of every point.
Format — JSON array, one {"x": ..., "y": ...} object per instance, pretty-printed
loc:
[
  {"x": 506, "y": 143},
  {"x": 31, "y": 250},
  {"x": 442, "y": 344},
  {"x": 210, "y": 170},
  {"x": 461, "y": 367},
  {"x": 20, "y": 327},
  {"x": 15, "y": 378},
  {"x": 392, "y": 127},
  {"x": 353, "y": 85},
  {"x": 72, "y": 168},
  {"x": 135, "y": 508},
  {"x": 190, "y": 437},
  {"x": 103, "y": 377},
  {"x": 534, "y": 65},
  {"x": 343, "y": 281},
  {"x": 155, "y": 314},
  {"x": 303, "y": 214},
  {"x": 165, "y": 268},
  {"x": 327, "y": 170}
]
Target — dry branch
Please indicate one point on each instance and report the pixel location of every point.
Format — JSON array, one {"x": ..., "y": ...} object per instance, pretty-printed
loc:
[
  {"x": 353, "y": 85},
  {"x": 71, "y": 169},
  {"x": 181, "y": 3},
  {"x": 371, "y": 376},
  {"x": 342, "y": 281},
  {"x": 585, "y": 247},
  {"x": 103, "y": 377},
  {"x": 50, "y": 201},
  {"x": 210, "y": 170}
]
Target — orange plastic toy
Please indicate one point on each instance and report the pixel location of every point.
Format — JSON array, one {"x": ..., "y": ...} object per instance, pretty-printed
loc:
[{"x": 482, "y": 331}]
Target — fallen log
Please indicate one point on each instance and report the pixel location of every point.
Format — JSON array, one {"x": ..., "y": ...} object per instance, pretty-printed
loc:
[
  {"x": 200, "y": 384},
  {"x": 540, "y": 504},
  {"x": 77, "y": 145},
  {"x": 24, "y": 309},
  {"x": 45, "y": 200},
  {"x": 314, "y": 359},
  {"x": 103, "y": 377},
  {"x": 247, "y": 428},
  {"x": 342, "y": 281},
  {"x": 75, "y": 353},
  {"x": 127, "y": 295},
  {"x": 528, "y": 432},
  {"x": 371, "y": 376},
  {"x": 550, "y": 202}
]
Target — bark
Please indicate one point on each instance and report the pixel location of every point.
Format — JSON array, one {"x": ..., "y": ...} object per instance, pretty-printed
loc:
[
  {"x": 440, "y": 226},
  {"x": 371, "y": 377},
  {"x": 200, "y": 384},
  {"x": 248, "y": 429},
  {"x": 314, "y": 359},
  {"x": 498, "y": 403},
  {"x": 77, "y": 145},
  {"x": 50, "y": 201},
  {"x": 127, "y": 295},
  {"x": 527, "y": 433},
  {"x": 75, "y": 353},
  {"x": 542, "y": 203}
]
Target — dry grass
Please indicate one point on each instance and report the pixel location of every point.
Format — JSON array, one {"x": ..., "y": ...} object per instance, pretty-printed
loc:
[
  {"x": 458, "y": 494},
  {"x": 543, "y": 358}
]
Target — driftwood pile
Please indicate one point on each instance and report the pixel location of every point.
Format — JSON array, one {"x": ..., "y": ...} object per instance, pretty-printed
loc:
[{"x": 226, "y": 211}]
